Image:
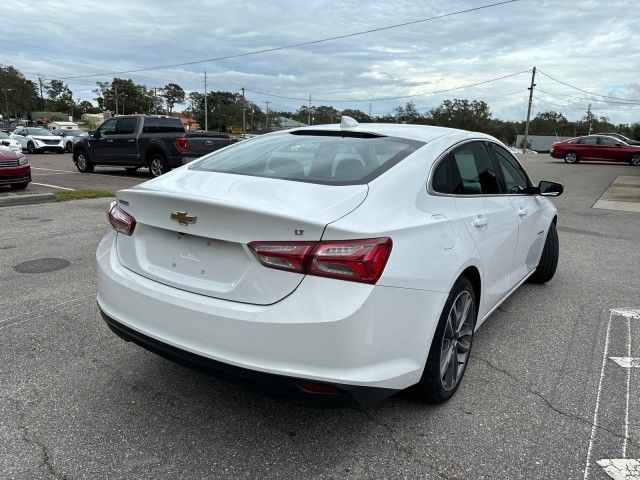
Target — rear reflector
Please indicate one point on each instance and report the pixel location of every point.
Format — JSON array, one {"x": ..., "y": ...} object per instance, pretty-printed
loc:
[
  {"x": 355, "y": 260},
  {"x": 313, "y": 387},
  {"x": 120, "y": 220}
]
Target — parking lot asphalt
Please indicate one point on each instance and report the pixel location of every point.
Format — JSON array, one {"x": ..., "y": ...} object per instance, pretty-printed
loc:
[
  {"x": 540, "y": 399},
  {"x": 51, "y": 172}
]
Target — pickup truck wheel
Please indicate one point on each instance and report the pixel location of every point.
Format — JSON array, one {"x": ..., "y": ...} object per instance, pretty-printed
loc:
[
  {"x": 31, "y": 148},
  {"x": 158, "y": 165},
  {"x": 83, "y": 164}
]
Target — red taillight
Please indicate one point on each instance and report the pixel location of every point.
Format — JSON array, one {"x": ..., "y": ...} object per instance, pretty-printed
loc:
[
  {"x": 182, "y": 144},
  {"x": 120, "y": 220},
  {"x": 356, "y": 260}
]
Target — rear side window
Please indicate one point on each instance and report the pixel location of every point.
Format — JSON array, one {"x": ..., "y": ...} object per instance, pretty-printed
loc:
[
  {"x": 588, "y": 140},
  {"x": 441, "y": 179},
  {"x": 162, "y": 125},
  {"x": 608, "y": 141},
  {"x": 127, "y": 126},
  {"x": 330, "y": 158},
  {"x": 472, "y": 170}
]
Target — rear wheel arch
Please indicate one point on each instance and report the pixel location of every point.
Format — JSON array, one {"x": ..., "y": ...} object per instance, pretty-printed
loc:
[
  {"x": 151, "y": 152},
  {"x": 473, "y": 275}
]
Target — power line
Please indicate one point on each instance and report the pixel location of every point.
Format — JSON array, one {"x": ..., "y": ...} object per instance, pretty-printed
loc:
[
  {"x": 295, "y": 45},
  {"x": 400, "y": 97},
  {"x": 587, "y": 92},
  {"x": 562, "y": 96}
]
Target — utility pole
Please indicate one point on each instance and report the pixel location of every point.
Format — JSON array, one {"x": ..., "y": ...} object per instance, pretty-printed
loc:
[
  {"x": 309, "y": 111},
  {"x": 267, "y": 120},
  {"x": 115, "y": 86},
  {"x": 244, "y": 112},
  {"x": 589, "y": 117},
  {"x": 526, "y": 127},
  {"x": 41, "y": 83},
  {"x": 155, "y": 100},
  {"x": 206, "y": 109},
  {"x": 369, "y": 111}
]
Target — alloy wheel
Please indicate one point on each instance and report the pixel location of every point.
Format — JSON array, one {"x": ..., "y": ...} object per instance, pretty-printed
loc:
[
  {"x": 82, "y": 162},
  {"x": 635, "y": 160},
  {"x": 156, "y": 167},
  {"x": 570, "y": 157},
  {"x": 456, "y": 342}
]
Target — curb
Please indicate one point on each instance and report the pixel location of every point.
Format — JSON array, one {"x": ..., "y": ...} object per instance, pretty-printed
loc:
[{"x": 26, "y": 199}]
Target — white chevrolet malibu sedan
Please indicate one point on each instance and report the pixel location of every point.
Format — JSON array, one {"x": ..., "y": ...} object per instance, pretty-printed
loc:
[{"x": 330, "y": 265}]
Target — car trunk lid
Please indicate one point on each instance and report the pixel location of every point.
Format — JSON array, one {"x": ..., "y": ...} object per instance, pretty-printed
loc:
[{"x": 193, "y": 228}]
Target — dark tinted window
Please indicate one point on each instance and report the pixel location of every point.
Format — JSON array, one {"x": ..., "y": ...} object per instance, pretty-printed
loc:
[
  {"x": 127, "y": 126},
  {"x": 441, "y": 179},
  {"x": 516, "y": 180},
  {"x": 472, "y": 170},
  {"x": 108, "y": 127},
  {"x": 332, "y": 158},
  {"x": 162, "y": 125}
]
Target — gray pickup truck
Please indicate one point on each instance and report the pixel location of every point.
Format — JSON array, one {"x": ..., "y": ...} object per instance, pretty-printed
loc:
[{"x": 156, "y": 142}]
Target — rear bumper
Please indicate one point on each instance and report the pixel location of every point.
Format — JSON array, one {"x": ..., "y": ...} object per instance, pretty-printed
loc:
[
  {"x": 360, "y": 338},
  {"x": 276, "y": 386},
  {"x": 15, "y": 175}
]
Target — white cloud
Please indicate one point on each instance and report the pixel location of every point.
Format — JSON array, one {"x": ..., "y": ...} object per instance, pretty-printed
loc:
[{"x": 579, "y": 42}]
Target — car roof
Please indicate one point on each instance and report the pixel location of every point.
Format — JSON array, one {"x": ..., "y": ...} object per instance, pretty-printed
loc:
[{"x": 422, "y": 133}]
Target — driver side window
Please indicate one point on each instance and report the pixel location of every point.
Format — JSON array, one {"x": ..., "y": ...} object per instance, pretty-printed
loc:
[
  {"x": 108, "y": 127},
  {"x": 515, "y": 178}
]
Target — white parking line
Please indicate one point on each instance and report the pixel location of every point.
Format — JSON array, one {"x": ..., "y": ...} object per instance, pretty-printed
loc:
[
  {"x": 592, "y": 437},
  {"x": 52, "y": 186},
  {"x": 626, "y": 411},
  {"x": 627, "y": 362},
  {"x": 53, "y": 170}
]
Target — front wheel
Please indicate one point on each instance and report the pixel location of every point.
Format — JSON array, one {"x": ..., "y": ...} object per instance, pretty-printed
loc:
[
  {"x": 158, "y": 165},
  {"x": 68, "y": 147},
  {"x": 549, "y": 259},
  {"x": 451, "y": 345},
  {"x": 571, "y": 157},
  {"x": 635, "y": 160},
  {"x": 31, "y": 148},
  {"x": 83, "y": 164}
]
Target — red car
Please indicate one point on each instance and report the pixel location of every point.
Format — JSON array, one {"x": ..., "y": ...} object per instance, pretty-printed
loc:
[
  {"x": 598, "y": 148},
  {"x": 14, "y": 169}
]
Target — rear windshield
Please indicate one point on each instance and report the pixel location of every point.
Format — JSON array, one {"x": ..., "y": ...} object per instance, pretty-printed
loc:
[
  {"x": 162, "y": 125},
  {"x": 331, "y": 158}
]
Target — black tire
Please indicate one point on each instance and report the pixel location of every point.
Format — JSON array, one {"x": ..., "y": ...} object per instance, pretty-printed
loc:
[
  {"x": 83, "y": 163},
  {"x": 31, "y": 148},
  {"x": 634, "y": 160},
  {"x": 61, "y": 151},
  {"x": 68, "y": 147},
  {"x": 549, "y": 259},
  {"x": 431, "y": 387},
  {"x": 158, "y": 165},
  {"x": 19, "y": 186}
]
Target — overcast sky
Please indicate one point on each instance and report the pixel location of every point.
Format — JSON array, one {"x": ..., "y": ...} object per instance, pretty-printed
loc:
[{"x": 593, "y": 45}]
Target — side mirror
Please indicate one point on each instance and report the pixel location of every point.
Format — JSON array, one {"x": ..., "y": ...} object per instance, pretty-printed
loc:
[{"x": 550, "y": 189}]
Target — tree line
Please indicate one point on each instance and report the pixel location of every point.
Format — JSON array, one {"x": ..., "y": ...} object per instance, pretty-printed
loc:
[{"x": 225, "y": 109}]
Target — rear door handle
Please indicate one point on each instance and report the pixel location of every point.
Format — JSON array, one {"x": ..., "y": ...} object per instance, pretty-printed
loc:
[
  {"x": 480, "y": 222},
  {"x": 109, "y": 141},
  {"x": 131, "y": 140},
  {"x": 521, "y": 212}
]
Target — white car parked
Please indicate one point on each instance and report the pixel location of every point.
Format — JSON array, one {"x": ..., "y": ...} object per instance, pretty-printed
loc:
[
  {"x": 7, "y": 141},
  {"x": 36, "y": 140},
  {"x": 329, "y": 264}
]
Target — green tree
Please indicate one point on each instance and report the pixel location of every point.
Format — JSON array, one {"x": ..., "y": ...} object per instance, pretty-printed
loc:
[
  {"x": 18, "y": 96},
  {"x": 357, "y": 115},
  {"x": 59, "y": 97},
  {"x": 173, "y": 94},
  {"x": 123, "y": 96},
  {"x": 408, "y": 113}
]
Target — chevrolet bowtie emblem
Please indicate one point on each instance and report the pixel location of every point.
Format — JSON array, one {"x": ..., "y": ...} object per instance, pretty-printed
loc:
[{"x": 183, "y": 218}]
